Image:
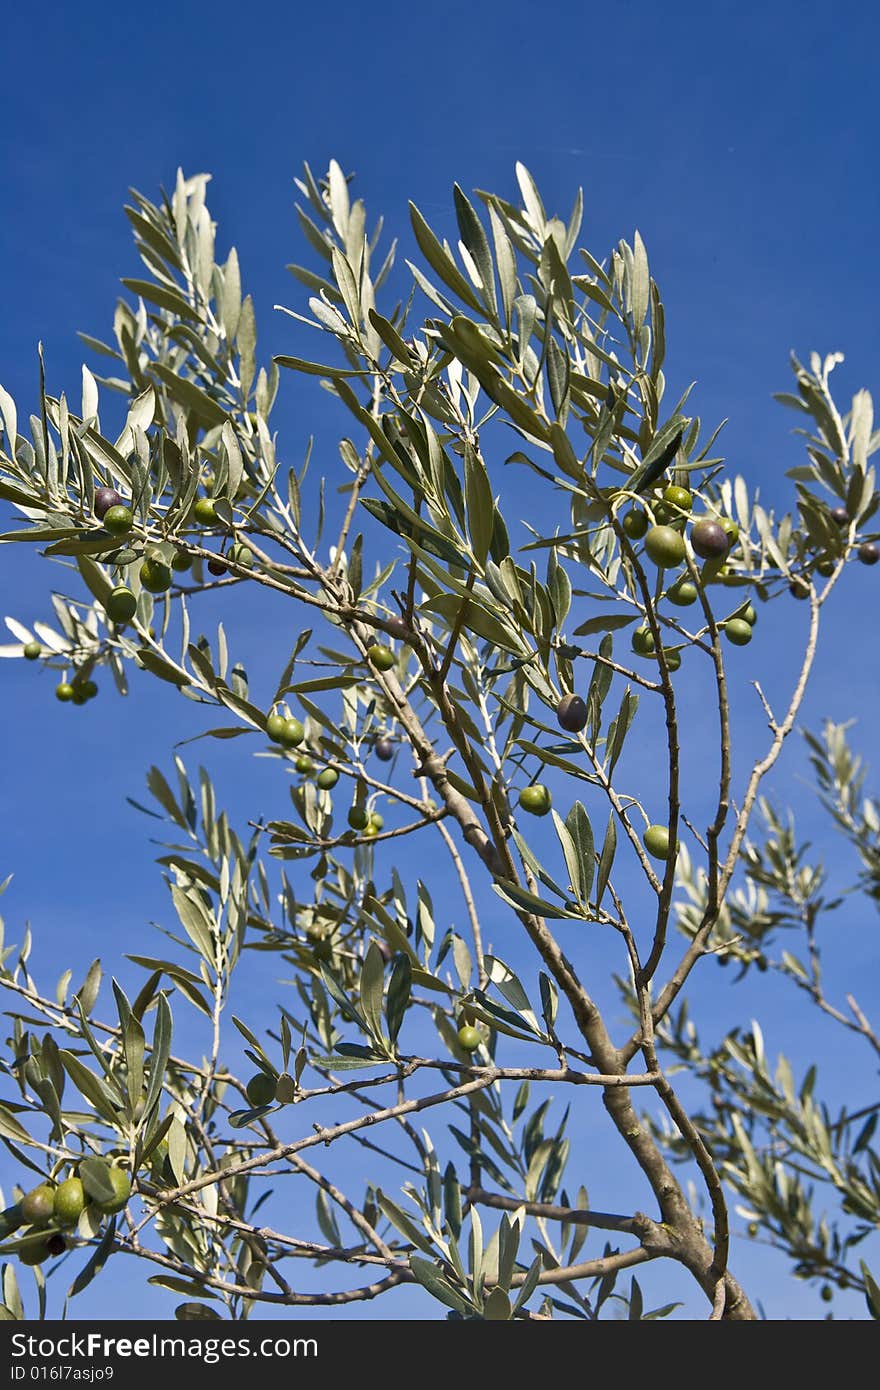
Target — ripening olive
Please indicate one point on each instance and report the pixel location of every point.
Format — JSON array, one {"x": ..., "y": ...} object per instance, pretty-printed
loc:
[
  {"x": 105, "y": 498},
  {"x": 34, "y": 1252},
  {"x": 571, "y": 714},
  {"x": 710, "y": 540},
  {"x": 243, "y": 556},
  {"x": 868, "y": 553}
]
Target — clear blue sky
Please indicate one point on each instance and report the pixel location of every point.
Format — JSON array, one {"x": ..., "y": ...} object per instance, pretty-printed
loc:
[{"x": 739, "y": 138}]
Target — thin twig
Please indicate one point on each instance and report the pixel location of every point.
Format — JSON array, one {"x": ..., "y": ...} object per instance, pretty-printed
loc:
[{"x": 601, "y": 1220}]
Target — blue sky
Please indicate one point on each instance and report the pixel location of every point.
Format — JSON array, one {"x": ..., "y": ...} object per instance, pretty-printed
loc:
[{"x": 739, "y": 138}]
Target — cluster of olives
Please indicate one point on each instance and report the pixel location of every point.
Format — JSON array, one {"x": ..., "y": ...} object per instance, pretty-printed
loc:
[
  {"x": 666, "y": 508},
  {"x": 285, "y": 729},
  {"x": 328, "y": 776},
  {"x": 711, "y": 539},
  {"x": 572, "y": 716},
  {"x": 365, "y": 821},
  {"x": 737, "y": 628},
  {"x": 60, "y": 1205},
  {"x": 867, "y": 553},
  {"x": 265, "y": 1089},
  {"x": 383, "y": 659},
  {"x": 664, "y": 541},
  {"x": 156, "y": 575},
  {"x": 77, "y": 691},
  {"x": 289, "y": 732},
  {"x": 81, "y": 688}
]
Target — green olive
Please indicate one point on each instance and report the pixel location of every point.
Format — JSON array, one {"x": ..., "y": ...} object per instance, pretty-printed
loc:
[
  {"x": 382, "y": 658},
  {"x": 468, "y": 1037},
  {"x": 657, "y": 841},
  {"x": 665, "y": 546},
  {"x": 535, "y": 799},
  {"x": 118, "y": 520},
  {"x": 70, "y": 1201},
  {"x": 38, "y": 1204},
  {"x": 121, "y": 1184}
]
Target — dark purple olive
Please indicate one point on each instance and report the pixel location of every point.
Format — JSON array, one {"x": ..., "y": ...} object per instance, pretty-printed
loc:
[
  {"x": 710, "y": 540},
  {"x": 398, "y": 627},
  {"x": 798, "y": 589},
  {"x": 868, "y": 553},
  {"x": 105, "y": 498},
  {"x": 840, "y": 515},
  {"x": 384, "y": 750},
  {"x": 571, "y": 714},
  {"x": 56, "y": 1244},
  {"x": 217, "y": 565}
]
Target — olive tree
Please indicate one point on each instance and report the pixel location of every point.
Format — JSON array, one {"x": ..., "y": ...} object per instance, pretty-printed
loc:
[{"x": 462, "y": 693}]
